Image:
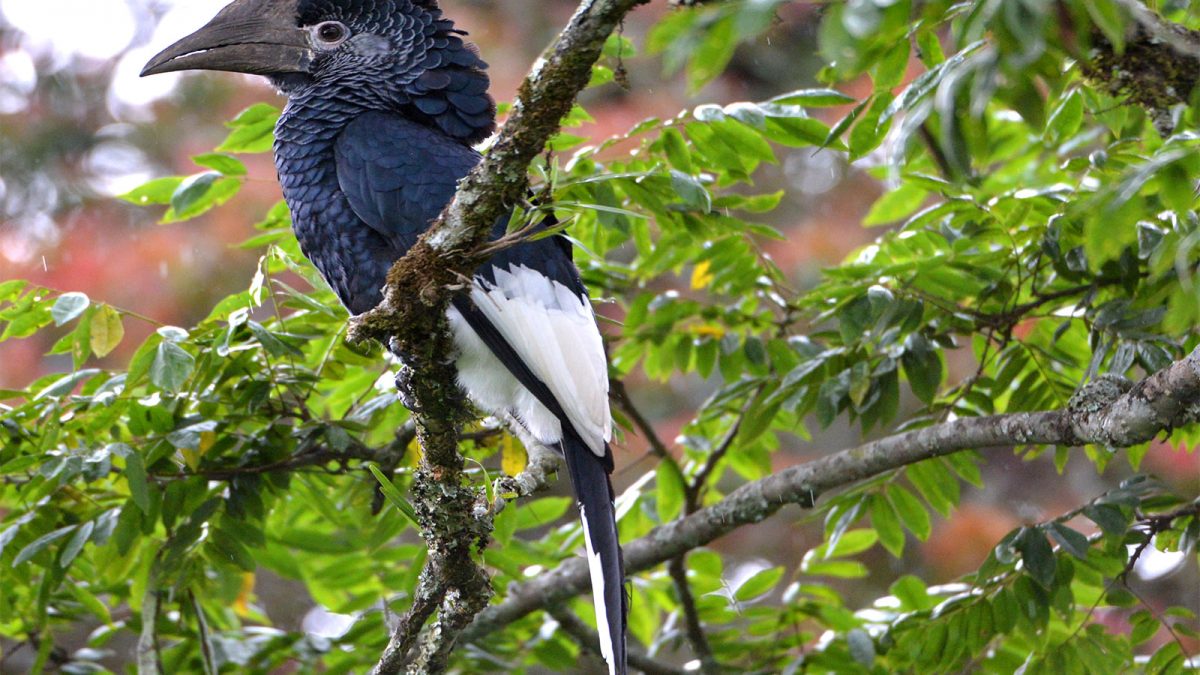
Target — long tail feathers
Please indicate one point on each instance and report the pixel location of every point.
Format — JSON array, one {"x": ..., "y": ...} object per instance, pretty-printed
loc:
[{"x": 594, "y": 491}]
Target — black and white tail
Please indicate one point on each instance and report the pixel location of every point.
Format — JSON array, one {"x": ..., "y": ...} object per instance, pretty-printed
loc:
[{"x": 594, "y": 493}]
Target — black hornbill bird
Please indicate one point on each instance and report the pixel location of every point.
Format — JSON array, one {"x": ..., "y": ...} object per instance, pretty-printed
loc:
[{"x": 385, "y": 100}]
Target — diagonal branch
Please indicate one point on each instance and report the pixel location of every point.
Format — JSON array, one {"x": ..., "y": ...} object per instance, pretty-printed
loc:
[{"x": 1100, "y": 413}]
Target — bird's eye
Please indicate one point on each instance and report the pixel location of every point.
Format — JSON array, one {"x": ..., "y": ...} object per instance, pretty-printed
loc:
[{"x": 331, "y": 32}]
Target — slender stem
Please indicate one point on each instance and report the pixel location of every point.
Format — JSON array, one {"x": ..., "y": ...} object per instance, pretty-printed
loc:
[
  {"x": 643, "y": 425},
  {"x": 206, "y": 648},
  {"x": 695, "y": 491},
  {"x": 677, "y": 567},
  {"x": 588, "y": 638},
  {"x": 148, "y": 662},
  {"x": 427, "y": 597}
]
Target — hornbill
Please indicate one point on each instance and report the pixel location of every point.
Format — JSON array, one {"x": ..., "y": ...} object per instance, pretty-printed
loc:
[{"x": 385, "y": 100}]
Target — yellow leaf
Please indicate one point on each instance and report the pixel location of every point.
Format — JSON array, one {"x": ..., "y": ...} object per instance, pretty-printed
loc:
[
  {"x": 709, "y": 330},
  {"x": 192, "y": 457},
  {"x": 107, "y": 330},
  {"x": 242, "y": 604},
  {"x": 701, "y": 277},
  {"x": 512, "y": 456}
]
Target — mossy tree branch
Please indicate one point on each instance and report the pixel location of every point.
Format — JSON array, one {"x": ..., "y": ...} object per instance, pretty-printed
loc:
[
  {"x": 1157, "y": 67},
  {"x": 455, "y": 517}
]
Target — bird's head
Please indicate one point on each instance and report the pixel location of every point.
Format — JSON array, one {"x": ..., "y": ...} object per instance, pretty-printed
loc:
[{"x": 402, "y": 48}]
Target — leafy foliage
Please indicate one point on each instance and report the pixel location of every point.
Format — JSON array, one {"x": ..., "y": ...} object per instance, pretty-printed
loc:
[{"x": 1034, "y": 221}]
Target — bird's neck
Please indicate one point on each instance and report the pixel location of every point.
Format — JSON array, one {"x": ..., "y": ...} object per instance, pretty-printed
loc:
[{"x": 313, "y": 116}]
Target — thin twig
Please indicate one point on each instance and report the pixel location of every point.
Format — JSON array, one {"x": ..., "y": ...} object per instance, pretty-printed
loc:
[
  {"x": 588, "y": 638},
  {"x": 695, "y": 491},
  {"x": 621, "y": 395},
  {"x": 428, "y": 595},
  {"x": 207, "y": 654},
  {"x": 677, "y": 567},
  {"x": 314, "y": 456},
  {"x": 935, "y": 151}
]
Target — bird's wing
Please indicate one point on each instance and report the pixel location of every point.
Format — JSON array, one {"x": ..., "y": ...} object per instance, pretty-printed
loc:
[
  {"x": 452, "y": 90},
  {"x": 528, "y": 304},
  {"x": 398, "y": 175}
]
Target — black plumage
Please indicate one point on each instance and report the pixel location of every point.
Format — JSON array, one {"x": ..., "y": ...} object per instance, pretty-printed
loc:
[{"x": 384, "y": 101}]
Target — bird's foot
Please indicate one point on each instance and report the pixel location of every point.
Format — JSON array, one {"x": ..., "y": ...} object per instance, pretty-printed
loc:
[{"x": 404, "y": 391}]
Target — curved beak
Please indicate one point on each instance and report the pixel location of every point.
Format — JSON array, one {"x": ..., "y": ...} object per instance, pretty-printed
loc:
[{"x": 234, "y": 42}]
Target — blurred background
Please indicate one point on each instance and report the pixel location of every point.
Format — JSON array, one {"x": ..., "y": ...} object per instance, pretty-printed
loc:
[{"x": 78, "y": 126}]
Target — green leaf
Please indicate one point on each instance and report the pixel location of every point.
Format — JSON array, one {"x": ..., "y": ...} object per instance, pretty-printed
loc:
[
  {"x": 911, "y": 511},
  {"x": 930, "y": 48},
  {"x": 91, "y": 603},
  {"x": 200, "y": 193},
  {"x": 392, "y": 494},
  {"x": 853, "y": 542},
  {"x": 937, "y": 485},
  {"x": 887, "y": 525},
  {"x": 1168, "y": 659},
  {"x": 1004, "y": 610},
  {"x": 912, "y": 593},
  {"x": 157, "y": 191},
  {"x": 504, "y": 525},
  {"x": 869, "y": 132},
  {"x": 677, "y": 151},
  {"x": 107, "y": 330},
  {"x": 172, "y": 366},
  {"x": 923, "y": 368},
  {"x": 799, "y": 132},
  {"x": 759, "y": 584},
  {"x": 896, "y": 205},
  {"x": 542, "y": 512},
  {"x": 671, "y": 491},
  {"x": 816, "y": 98},
  {"x": 38, "y": 545},
  {"x": 228, "y": 549},
  {"x": 253, "y": 130},
  {"x": 839, "y": 569},
  {"x": 713, "y": 54},
  {"x": 135, "y": 477},
  {"x": 1037, "y": 555},
  {"x": 1111, "y": 519},
  {"x": 889, "y": 71},
  {"x": 1110, "y": 20},
  {"x": 66, "y": 384},
  {"x": 224, "y": 164},
  {"x": 1144, "y": 626},
  {"x": 75, "y": 545},
  {"x": 272, "y": 343},
  {"x": 1070, "y": 540},
  {"x": 691, "y": 191},
  {"x": 68, "y": 307},
  {"x": 1066, "y": 119}
]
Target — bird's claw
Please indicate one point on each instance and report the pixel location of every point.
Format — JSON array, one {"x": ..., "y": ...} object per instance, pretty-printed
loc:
[{"x": 404, "y": 389}]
